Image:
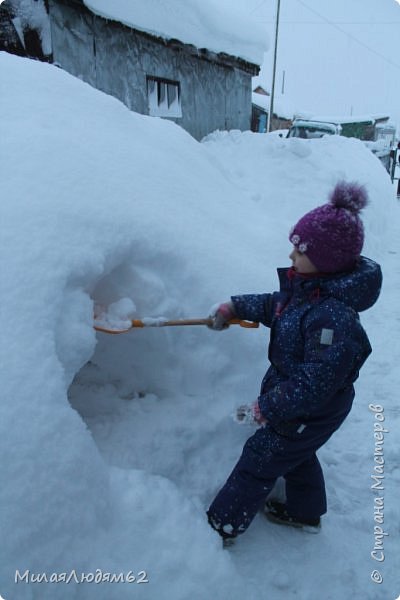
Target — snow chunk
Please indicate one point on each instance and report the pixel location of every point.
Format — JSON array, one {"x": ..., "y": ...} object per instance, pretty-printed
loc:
[
  {"x": 116, "y": 316},
  {"x": 122, "y": 309},
  {"x": 154, "y": 322}
]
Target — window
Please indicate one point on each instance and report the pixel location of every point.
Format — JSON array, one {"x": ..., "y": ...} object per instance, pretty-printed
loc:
[{"x": 164, "y": 97}]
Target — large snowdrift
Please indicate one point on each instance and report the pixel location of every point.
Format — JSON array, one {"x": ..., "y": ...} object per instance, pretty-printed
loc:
[{"x": 113, "y": 446}]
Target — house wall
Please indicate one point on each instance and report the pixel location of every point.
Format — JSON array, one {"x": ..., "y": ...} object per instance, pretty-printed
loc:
[{"x": 117, "y": 59}]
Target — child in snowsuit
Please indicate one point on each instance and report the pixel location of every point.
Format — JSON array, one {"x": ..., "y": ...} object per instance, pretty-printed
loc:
[{"x": 317, "y": 346}]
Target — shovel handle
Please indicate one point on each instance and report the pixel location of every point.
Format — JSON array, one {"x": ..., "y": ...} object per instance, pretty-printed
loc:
[
  {"x": 208, "y": 321},
  {"x": 139, "y": 323},
  {"x": 183, "y": 322}
]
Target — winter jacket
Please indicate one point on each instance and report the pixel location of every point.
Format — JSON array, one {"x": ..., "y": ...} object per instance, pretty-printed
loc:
[{"x": 317, "y": 345}]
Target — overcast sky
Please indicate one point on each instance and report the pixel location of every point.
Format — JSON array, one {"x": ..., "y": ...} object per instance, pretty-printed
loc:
[{"x": 340, "y": 57}]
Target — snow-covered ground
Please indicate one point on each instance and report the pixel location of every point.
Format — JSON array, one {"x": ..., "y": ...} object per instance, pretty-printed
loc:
[{"x": 113, "y": 446}]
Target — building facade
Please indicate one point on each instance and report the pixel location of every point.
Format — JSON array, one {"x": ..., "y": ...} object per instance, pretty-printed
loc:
[{"x": 200, "y": 90}]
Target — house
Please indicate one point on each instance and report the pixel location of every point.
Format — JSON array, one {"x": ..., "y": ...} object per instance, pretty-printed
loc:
[
  {"x": 140, "y": 60},
  {"x": 281, "y": 118}
]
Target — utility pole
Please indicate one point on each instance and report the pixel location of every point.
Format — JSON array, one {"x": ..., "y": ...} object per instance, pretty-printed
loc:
[{"x": 271, "y": 105}]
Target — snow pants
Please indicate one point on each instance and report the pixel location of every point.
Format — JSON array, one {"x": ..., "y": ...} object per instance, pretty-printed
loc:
[{"x": 265, "y": 457}]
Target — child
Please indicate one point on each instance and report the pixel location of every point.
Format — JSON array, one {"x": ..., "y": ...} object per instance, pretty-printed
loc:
[{"x": 317, "y": 346}]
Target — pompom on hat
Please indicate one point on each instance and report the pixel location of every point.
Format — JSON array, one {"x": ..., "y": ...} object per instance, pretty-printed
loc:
[{"x": 332, "y": 235}]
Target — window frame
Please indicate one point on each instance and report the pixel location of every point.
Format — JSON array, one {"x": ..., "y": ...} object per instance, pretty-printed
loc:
[{"x": 162, "y": 102}]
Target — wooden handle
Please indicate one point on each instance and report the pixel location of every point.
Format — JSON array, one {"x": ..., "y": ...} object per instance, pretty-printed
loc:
[
  {"x": 208, "y": 322},
  {"x": 140, "y": 324},
  {"x": 179, "y": 322}
]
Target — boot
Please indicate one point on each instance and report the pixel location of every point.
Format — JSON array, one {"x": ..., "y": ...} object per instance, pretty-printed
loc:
[{"x": 276, "y": 513}]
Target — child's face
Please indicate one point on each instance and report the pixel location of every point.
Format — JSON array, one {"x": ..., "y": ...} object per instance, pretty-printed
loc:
[{"x": 301, "y": 263}]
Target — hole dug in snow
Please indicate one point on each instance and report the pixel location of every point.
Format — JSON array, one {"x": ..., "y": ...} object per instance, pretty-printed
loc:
[{"x": 131, "y": 393}]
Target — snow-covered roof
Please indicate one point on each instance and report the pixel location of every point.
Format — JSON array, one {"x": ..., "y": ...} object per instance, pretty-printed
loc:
[
  {"x": 328, "y": 126},
  {"x": 282, "y": 108},
  {"x": 260, "y": 100},
  {"x": 348, "y": 119},
  {"x": 218, "y": 25}
]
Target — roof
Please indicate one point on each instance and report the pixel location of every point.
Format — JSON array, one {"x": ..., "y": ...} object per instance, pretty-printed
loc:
[
  {"x": 260, "y": 90},
  {"x": 367, "y": 118},
  {"x": 282, "y": 108},
  {"x": 217, "y": 25}
]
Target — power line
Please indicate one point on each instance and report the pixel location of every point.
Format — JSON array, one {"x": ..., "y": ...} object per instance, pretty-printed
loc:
[{"x": 388, "y": 60}]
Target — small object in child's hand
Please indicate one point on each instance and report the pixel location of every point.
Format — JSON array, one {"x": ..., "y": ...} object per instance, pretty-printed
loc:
[
  {"x": 244, "y": 414},
  {"x": 249, "y": 414}
]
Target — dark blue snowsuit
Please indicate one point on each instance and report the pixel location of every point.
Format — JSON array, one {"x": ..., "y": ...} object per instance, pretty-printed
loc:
[{"x": 317, "y": 346}]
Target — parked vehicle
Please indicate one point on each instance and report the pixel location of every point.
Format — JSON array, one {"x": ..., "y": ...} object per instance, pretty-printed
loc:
[
  {"x": 308, "y": 130},
  {"x": 377, "y": 133}
]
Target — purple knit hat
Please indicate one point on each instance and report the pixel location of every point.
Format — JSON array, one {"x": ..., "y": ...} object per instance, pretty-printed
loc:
[{"x": 332, "y": 235}]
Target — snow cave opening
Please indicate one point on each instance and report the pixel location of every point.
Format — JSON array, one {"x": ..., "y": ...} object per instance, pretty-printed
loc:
[{"x": 123, "y": 392}]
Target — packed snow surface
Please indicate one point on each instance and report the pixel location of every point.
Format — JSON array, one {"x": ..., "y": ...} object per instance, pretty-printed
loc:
[
  {"x": 219, "y": 26},
  {"x": 114, "y": 446}
]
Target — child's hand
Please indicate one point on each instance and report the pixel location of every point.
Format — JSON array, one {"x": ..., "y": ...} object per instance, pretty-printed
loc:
[
  {"x": 250, "y": 414},
  {"x": 257, "y": 414},
  {"x": 220, "y": 315}
]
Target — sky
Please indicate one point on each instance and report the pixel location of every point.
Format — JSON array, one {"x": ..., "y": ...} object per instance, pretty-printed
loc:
[{"x": 337, "y": 58}]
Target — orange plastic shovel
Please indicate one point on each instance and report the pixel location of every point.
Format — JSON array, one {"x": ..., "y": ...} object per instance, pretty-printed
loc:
[{"x": 141, "y": 323}]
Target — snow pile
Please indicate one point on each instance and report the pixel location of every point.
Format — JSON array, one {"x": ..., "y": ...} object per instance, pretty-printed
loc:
[
  {"x": 220, "y": 26},
  {"x": 113, "y": 446}
]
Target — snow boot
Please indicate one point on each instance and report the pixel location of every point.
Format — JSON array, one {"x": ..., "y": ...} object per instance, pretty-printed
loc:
[{"x": 276, "y": 513}]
